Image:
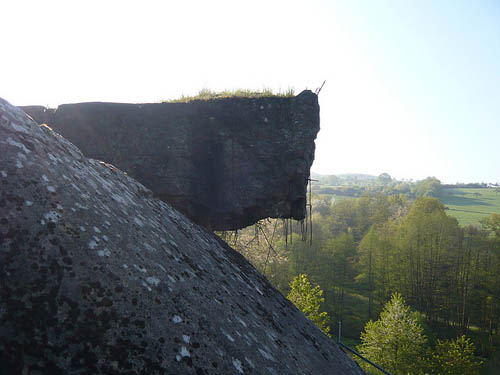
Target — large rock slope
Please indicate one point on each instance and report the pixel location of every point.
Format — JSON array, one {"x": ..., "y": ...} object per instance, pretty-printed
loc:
[
  {"x": 225, "y": 163},
  {"x": 99, "y": 277}
]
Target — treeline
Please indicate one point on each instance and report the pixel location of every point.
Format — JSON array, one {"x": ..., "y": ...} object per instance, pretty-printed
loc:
[
  {"x": 481, "y": 185},
  {"x": 348, "y": 191},
  {"x": 384, "y": 183},
  {"x": 430, "y": 186},
  {"x": 377, "y": 245}
]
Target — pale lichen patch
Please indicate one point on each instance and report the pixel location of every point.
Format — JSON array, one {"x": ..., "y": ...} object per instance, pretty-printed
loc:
[
  {"x": 53, "y": 158},
  {"x": 52, "y": 216},
  {"x": 152, "y": 280},
  {"x": 250, "y": 363},
  {"x": 241, "y": 322},
  {"x": 161, "y": 267},
  {"x": 229, "y": 337},
  {"x": 171, "y": 279},
  {"x": 185, "y": 352},
  {"x": 266, "y": 355},
  {"x": 148, "y": 247},
  {"x": 237, "y": 365},
  {"x": 140, "y": 269},
  {"x": 104, "y": 253}
]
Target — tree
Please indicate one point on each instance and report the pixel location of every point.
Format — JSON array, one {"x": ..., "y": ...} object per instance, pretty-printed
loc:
[
  {"x": 384, "y": 179},
  {"x": 492, "y": 223},
  {"x": 424, "y": 240},
  {"x": 338, "y": 268},
  {"x": 430, "y": 187},
  {"x": 455, "y": 357},
  {"x": 308, "y": 300},
  {"x": 396, "y": 341}
]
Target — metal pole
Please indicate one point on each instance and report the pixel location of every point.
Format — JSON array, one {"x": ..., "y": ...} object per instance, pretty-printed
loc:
[
  {"x": 364, "y": 359},
  {"x": 340, "y": 332},
  {"x": 359, "y": 355}
]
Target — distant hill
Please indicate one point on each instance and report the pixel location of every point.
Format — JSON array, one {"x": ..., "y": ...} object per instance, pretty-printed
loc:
[{"x": 344, "y": 179}]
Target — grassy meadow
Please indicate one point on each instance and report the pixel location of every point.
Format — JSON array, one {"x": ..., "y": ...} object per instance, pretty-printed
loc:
[{"x": 470, "y": 205}]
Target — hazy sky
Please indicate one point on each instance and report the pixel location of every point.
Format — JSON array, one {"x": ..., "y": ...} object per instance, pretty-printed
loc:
[{"x": 412, "y": 87}]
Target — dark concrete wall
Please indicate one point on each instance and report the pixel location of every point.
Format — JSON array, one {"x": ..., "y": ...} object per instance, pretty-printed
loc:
[
  {"x": 98, "y": 277},
  {"x": 225, "y": 163}
]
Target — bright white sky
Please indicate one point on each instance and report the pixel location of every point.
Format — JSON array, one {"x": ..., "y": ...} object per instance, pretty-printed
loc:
[{"x": 412, "y": 88}]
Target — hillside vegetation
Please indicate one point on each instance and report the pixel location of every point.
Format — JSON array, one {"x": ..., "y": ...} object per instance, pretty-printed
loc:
[
  {"x": 371, "y": 241},
  {"x": 469, "y": 203}
]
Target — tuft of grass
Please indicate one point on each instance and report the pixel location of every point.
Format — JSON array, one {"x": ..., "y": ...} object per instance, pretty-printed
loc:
[{"x": 207, "y": 94}]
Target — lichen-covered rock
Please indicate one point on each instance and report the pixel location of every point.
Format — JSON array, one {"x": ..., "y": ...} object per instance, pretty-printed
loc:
[
  {"x": 225, "y": 163},
  {"x": 99, "y": 277}
]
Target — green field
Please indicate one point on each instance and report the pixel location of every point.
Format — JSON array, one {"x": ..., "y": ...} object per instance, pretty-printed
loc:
[
  {"x": 471, "y": 205},
  {"x": 467, "y": 205}
]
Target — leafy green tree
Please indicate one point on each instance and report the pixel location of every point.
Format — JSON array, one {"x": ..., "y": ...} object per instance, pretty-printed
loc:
[
  {"x": 492, "y": 223},
  {"x": 396, "y": 341},
  {"x": 424, "y": 242},
  {"x": 308, "y": 300},
  {"x": 455, "y": 357},
  {"x": 370, "y": 209},
  {"x": 384, "y": 179},
  {"x": 430, "y": 187},
  {"x": 343, "y": 216}
]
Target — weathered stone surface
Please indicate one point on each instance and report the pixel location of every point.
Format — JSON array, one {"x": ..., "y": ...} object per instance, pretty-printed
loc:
[
  {"x": 225, "y": 163},
  {"x": 99, "y": 277}
]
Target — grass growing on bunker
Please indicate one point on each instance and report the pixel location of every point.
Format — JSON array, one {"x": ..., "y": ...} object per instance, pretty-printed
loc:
[{"x": 207, "y": 94}]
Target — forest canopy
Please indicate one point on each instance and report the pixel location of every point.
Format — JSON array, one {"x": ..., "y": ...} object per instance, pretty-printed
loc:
[{"x": 368, "y": 248}]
